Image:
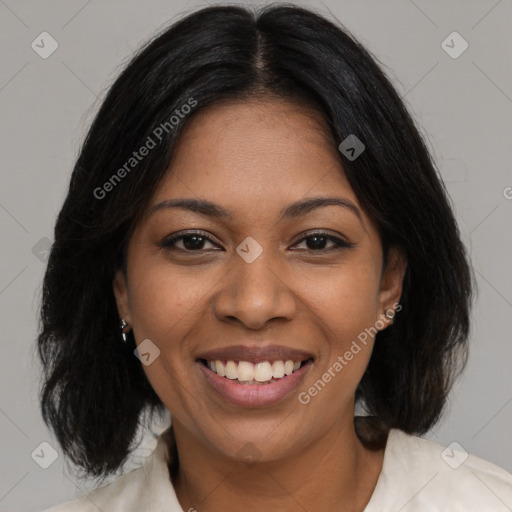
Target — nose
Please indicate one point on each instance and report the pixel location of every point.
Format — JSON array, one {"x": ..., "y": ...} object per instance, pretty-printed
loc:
[{"x": 254, "y": 293}]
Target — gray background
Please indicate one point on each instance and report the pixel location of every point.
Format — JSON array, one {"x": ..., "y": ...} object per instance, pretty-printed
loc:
[{"x": 464, "y": 106}]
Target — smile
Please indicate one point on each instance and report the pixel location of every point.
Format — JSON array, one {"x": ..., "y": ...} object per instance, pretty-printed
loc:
[
  {"x": 249, "y": 384},
  {"x": 247, "y": 373}
]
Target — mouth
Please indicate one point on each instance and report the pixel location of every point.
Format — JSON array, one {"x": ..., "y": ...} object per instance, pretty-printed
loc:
[
  {"x": 254, "y": 377},
  {"x": 254, "y": 374}
]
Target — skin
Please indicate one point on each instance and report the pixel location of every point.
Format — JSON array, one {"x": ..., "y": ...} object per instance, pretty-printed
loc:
[{"x": 254, "y": 158}]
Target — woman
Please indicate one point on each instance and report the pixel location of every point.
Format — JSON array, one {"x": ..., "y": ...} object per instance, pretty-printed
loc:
[{"x": 255, "y": 239}]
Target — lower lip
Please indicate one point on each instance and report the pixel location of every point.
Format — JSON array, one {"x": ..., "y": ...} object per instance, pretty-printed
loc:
[{"x": 245, "y": 395}]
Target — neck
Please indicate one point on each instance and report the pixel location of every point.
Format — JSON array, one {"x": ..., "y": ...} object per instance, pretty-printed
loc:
[{"x": 335, "y": 468}]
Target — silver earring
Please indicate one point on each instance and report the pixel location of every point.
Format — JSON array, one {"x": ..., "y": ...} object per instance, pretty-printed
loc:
[
  {"x": 123, "y": 326},
  {"x": 390, "y": 313}
]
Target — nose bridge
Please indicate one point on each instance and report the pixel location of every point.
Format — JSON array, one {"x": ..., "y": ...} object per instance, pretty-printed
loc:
[{"x": 252, "y": 291}]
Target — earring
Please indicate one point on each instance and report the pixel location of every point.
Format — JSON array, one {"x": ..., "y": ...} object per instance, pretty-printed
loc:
[
  {"x": 123, "y": 327},
  {"x": 390, "y": 313}
]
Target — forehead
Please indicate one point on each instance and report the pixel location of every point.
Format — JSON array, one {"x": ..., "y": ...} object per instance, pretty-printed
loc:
[{"x": 255, "y": 153}]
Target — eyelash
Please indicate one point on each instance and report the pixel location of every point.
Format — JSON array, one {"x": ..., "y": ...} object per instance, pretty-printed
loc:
[{"x": 339, "y": 243}]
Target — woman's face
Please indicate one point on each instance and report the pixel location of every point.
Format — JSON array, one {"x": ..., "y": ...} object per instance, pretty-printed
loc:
[{"x": 265, "y": 280}]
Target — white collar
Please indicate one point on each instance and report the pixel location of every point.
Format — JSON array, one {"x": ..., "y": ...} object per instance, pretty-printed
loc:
[{"x": 415, "y": 476}]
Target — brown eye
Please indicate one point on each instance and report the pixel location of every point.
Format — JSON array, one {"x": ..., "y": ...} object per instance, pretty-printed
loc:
[
  {"x": 190, "y": 242},
  {"x": 318, "y": 242}
]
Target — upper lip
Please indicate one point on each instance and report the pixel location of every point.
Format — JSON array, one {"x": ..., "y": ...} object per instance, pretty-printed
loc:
[{"x": 255, "y": 353}]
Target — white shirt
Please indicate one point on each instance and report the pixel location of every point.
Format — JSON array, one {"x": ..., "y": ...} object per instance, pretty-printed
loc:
[{"x": 418, "y": 475}]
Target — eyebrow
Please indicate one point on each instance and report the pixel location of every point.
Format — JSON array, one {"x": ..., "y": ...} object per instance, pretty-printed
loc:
[{"x": 293, "y": 210}]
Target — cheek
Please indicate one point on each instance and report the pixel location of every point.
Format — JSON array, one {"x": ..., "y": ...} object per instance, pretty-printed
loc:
[
  {"x": 165, "y": 300},
  {"x": 347, "y": 304},
  {"x": 348, "y": 298},
  {"x": 166, "y": 306}
]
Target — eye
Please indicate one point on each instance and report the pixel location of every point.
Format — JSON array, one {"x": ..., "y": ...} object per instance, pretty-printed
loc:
[
  {"x": 190, "y": 242},
  {"x": 194, "y": 241},
  {"x": 317, "y": 242}
]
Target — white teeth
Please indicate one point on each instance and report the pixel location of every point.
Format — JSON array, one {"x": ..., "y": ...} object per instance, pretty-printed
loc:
[
  {"x": 220, "y": 368},
  {"x": 262, "y": 371},
  {"x": 245, "y": 371},
  {"x": 278, "y": 369},
  {"x": 231, "y": 370},
  {"x": 249, "y": 373}
]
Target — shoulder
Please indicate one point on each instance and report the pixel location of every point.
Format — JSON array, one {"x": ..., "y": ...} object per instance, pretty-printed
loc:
[
  {"x": 419, "y": 474},
  {"x": 113, "y": 497},
  {"x": 146, "y": 488}
]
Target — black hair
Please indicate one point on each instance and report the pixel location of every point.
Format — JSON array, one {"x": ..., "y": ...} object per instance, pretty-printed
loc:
[{"x": 94, "y": 391}]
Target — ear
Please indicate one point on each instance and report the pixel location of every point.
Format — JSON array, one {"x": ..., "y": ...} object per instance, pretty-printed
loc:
[
  {"x": 121, "y": 295},
  {"x": 391, "y": 282}
]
